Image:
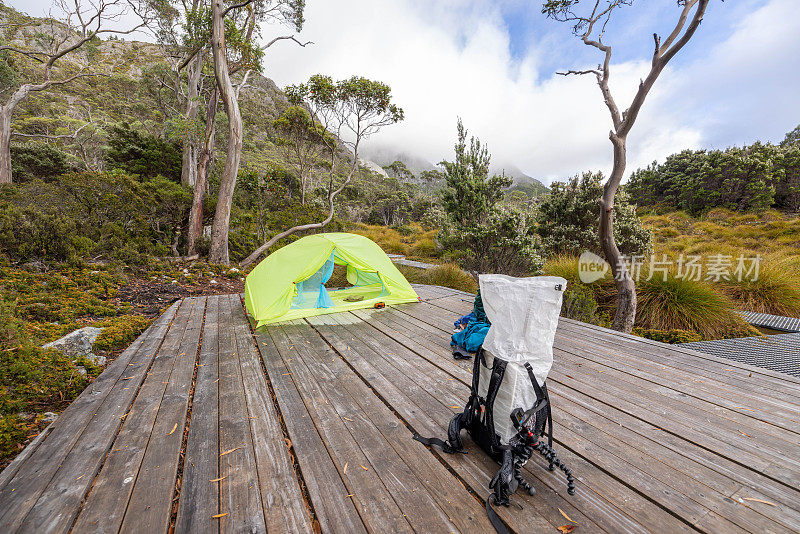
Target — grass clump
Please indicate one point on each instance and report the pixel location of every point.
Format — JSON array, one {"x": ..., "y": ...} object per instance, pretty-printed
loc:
[
  {"x": 448, "y": 275},
  {"x": 673, "y": 303},
  {"x": 776, "y": 290}
]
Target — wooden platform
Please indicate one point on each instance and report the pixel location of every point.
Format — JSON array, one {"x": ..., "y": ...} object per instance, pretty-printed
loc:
[{"x": 201, "y": 426}]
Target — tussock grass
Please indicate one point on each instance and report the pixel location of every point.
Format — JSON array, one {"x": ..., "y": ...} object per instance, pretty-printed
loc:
[
  {"x": 664, "y": 306},
  {"x": 695, "y": 306},
  {"x": 448, "y": 275},
  {"x": 775, "y": 291},
  {"x": 409, "y": 240}
]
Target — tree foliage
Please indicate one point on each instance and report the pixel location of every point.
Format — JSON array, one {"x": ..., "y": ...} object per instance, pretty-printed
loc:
[
  {"x": 145, "y": 155},
  {"x": 750, "y": 178},
  {"x": 483, "y": 235},
  {"x": 568, "y": 218},
  {"x": 38, "y": 160}
]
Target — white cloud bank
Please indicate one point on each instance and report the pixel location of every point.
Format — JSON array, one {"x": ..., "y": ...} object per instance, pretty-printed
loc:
[{"x": 451, "y": 58}]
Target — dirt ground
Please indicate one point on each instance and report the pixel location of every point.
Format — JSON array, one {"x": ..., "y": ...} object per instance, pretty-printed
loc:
[{"x": 151, "y": 297}]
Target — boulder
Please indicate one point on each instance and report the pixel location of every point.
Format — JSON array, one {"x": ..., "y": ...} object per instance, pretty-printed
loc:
[{"x": 79, "y": 343}]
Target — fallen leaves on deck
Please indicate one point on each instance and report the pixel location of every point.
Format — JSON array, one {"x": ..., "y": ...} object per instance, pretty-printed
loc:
[
  {"x": 759, "y": 500},
  {"x": 173, "y": 429},
  {"x": 217, "y": 516},
  {"x": 229, "y": 451},
  {"x": 568, "y": 518},
  {"x": 566, "y": 528}
]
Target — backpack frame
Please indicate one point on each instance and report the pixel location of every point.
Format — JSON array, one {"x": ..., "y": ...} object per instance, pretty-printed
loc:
[{"x": 531, "y": 425}]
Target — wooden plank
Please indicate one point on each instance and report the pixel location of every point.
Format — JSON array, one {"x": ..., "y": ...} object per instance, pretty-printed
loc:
[
  {"x": 284, "y": 505},
  {"x": 429, "y": 496},
  {"x": 788, "y": 381},
  {"x": 682, "y": 398},
  {"x": 396, "y": 387},
  {"x": 696, "y": 413},
  {"x": 199, "y": 497},
  {"x": 12, "y": 468},
  {"x": 104, "y": 507},
  {"x": 324, "y": 484},
  {"x": 430, "y": 315},
  {"x": 716, "y": 378},
  {"x": 239, "y": 497},
  {"x": 376, "y": 506},
  {"x": 699, "y": 467},
  {"x": 150, "y": 503},
  {"x": 644, "y": 510},
  {"x": 666, "y": 356},
  {"x": 97, "y": 409}
]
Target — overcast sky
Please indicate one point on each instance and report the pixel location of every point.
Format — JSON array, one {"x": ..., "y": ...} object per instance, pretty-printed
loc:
[{"x": 493, "y": 63}]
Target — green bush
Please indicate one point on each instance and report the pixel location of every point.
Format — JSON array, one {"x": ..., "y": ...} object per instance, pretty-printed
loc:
[
  {"x": 37, "y": 160},
  {"x": 568, "y": 219},
  {"x": 480, "y": 233},
  {"x": 144, "y": 155},
  {"x": 28, "y": 233},
  {"x": 83, "y": 215},
  {"x": 579, "y": 303},
  {"x": 669, "y": 336}
]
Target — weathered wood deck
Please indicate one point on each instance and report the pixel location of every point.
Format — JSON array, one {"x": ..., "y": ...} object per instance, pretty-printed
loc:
[{"x": 203, "y": 427}]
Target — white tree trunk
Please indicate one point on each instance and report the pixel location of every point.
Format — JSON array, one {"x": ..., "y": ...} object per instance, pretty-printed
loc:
[
  {"x": 5, "y": 146},
  {"x": 219, "y": 232},
  {"x": 190, "y": 152}
]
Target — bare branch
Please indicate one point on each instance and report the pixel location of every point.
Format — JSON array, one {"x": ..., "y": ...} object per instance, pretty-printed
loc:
[
  {"x": 290, "y": 37},
  {"x": 596, "y": 72},
  {"x": 73, "y": 135},
  {"x": 235, "y": 6},
  {"x": 30, "y": 53}
]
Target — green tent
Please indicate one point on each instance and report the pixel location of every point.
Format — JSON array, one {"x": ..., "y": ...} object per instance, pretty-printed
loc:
[{"x": 290, "y": 283}]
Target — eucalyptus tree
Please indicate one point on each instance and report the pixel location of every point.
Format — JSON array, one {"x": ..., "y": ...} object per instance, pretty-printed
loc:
[
  {"x": 303, "y": 141},
  {"x": 350, "y": 111},
  {"x": 589, "y": 20},
  {"x": 226, "y": 18},
  {"x": 53, "y": 40}
]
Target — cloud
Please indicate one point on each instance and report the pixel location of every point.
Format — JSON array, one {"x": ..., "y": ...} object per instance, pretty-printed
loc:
[
  {"x": 455, "y": 61},
  {"x": 452, "y": 58},
  {"x": 734, "y": 83}
]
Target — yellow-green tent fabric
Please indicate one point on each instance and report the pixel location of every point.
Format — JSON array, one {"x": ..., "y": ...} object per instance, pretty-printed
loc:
[{"x": 289, "y": 283}]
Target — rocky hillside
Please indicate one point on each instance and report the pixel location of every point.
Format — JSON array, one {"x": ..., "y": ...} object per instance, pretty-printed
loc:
[{"x": 135, "y": 87}]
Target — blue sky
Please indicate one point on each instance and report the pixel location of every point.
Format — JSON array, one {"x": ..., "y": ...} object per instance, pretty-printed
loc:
[{"x": 493, "y": 63}]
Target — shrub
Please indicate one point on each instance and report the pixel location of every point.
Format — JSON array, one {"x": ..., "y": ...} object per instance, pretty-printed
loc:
[
  {"x": 37, "y": 160},
  {"x": 480, "y": 233},
  {"x": 579, "y": 303},
  {"x": 87, "y": 214},
  {"x": 144, "y": 155},
  {"x": 669, "y": 336},
  {"x": 569, "y": 216},
  {"x": 35, "y": 234}
]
